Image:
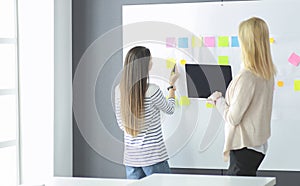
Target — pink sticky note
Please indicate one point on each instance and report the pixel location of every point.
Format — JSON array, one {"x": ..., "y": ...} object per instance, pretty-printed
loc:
[
  {"x": 294, "y": 59},
  {"x": 171, "y": 42},
  {"x": 209, "y": 41}
]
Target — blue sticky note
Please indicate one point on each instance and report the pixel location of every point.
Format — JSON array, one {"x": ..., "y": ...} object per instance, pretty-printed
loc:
[
  {"x": 183, "y": 42},
  {"x": 234, "y": 41}
]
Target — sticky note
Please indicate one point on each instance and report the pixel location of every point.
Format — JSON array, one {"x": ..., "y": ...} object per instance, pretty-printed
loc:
[
  {"x": 184, "y": 101},
  {"x": 280, "y": 83},
  {"x": 209, "y": 41},
  {"x": 183, "y": 42},
  {"x": 170, "y": 62},
  {"x": 171, "y": 42},
  {"x": 294, "y": 59},
  {"x": 183, "y": 61},
  {"x": 196, "y": 41},
  {"x": 223, "y": 60},
  {"x": 223, "y": 41},
  {"x": 209, "y": 105},
  {"x": 234, "y": 41},
  {"x": 297, "y": 85},
  {"x": 272, "y": 40}
]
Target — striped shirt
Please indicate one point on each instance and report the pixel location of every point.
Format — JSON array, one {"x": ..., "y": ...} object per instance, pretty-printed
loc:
[{"x": 148, "y": 147}]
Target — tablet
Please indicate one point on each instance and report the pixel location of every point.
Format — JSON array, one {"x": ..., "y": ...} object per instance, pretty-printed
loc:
[{"x": 203, "y": 80}]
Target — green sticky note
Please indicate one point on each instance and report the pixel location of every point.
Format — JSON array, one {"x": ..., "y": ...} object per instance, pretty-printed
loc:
[
  {"x": 170, "y": 62},
  {"x": 184, "y": 101},
  {"x": 297, "y": 85},
  {"x": 223, "y": 60},
  {"x": 196, "y": 41},
  {"x": 209, "y": 105},
  {"x": 223, "y": 41}
]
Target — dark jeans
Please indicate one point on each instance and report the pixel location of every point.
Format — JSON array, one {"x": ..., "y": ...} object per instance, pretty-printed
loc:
[
  {"x": 140, "y": 172},
  {"x": 244, "y": 162}
]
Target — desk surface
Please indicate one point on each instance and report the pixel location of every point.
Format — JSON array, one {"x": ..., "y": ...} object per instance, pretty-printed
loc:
[
  {"x": 167, "y": 180},
  {"x": 204, "y": 180},
  {"x": 74, "y": 181}
]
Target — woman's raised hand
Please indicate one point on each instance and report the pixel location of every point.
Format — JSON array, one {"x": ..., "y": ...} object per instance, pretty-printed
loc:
[{"x": 174, "y": 75}]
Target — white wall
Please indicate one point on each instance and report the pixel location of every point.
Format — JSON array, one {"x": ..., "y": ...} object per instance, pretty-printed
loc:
[
  {"x": 63, "y": 88},
  {"x": 197, "y": 142},
  {"x": 36, "y": 52}
]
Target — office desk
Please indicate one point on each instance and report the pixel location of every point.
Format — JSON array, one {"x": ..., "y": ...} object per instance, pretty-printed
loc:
[
  {"x": 74, "y": 181},
  {"x": 203, "y": 180}
]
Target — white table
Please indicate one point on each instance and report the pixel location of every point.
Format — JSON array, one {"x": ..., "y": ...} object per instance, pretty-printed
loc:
[
  {"x": 76, "y": 181},
  {"x": 167, "y": 180},
  {"x": 203, "y": 180}
]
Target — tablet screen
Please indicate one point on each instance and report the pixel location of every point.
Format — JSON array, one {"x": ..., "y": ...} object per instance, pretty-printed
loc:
[{"x": 203, "y": 80}]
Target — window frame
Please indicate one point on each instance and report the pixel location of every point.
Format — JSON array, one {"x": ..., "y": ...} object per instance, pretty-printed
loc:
[{"x": 14, "y": 91}]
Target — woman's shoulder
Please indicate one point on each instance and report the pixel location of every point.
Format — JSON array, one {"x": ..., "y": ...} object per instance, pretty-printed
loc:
[
  {"x": 152, "y": 89},
  {"x": 246, "y": 75},
  {"x": 242, "y": 78},
  {"x": 247, "y": 78}
]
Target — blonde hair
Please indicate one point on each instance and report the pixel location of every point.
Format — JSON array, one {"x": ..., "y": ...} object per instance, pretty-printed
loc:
[
  {"x": 255, "y": 45},
  {"x": 133, "y": 87}
]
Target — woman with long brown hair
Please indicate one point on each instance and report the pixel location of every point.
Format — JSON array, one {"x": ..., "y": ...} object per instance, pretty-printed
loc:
[
  {"x": 247, "y": 106},
  {"x": 138, "y": 104}
]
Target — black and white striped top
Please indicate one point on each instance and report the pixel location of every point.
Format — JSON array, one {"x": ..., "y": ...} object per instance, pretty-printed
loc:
[{"x": 148, "y": 148}]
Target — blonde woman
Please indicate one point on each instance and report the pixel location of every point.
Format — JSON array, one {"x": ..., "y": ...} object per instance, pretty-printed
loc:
[
  {"x": 247, "y": 106},
  {"x": 138, "y": 106}
]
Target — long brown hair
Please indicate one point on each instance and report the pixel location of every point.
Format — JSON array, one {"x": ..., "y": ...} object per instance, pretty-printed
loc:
[
  {"x": 255, "y": 45},
  {"x": 133, "y": 87}
]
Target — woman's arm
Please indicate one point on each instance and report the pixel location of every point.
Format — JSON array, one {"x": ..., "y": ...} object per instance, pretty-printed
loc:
[
  {"x": 163, "y": 104},
  {"x": 243, "y": 93}
]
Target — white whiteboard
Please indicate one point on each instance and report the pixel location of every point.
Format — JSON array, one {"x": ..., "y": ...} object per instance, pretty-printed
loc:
[{"x": 194, "y": 134}]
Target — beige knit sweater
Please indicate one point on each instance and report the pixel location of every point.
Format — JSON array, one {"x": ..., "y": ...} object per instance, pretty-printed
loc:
[{"x": 247, "y": 110}]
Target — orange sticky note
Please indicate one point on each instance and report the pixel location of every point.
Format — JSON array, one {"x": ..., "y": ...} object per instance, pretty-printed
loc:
[{"x": 280, "y": 83}]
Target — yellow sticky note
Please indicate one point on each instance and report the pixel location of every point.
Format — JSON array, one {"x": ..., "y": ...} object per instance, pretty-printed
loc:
[
  {"x": 184, "y": 101},
  {"x": 183, "y": 61},
  {"x": 170, "y": 62},
  {"x": 272, "y": 40},
  {"x": 209, "y": 105},
  {"x": 196, "y": 41},
  {"x": 280, "y": 83},
  {"x": 223, "y": 60},
  {"x": 223, "y": 41},
  {"x": 297, "y": 85}
]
